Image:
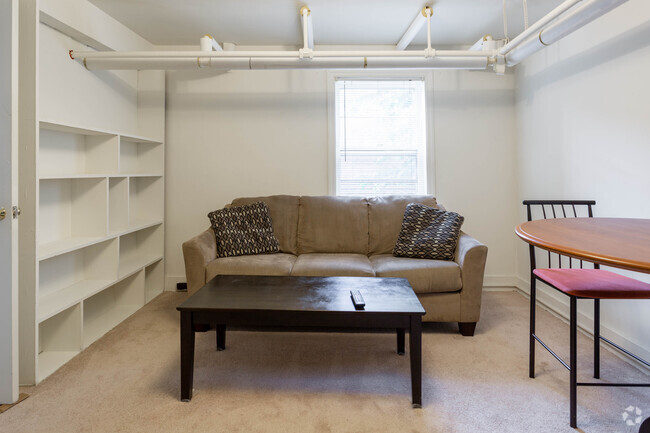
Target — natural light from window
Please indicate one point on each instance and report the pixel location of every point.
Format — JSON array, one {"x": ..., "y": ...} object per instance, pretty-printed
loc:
[{"x": 380, "y": 137}]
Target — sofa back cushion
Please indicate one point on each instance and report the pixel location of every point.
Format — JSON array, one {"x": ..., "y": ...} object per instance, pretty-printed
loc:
[
  {"x": 337, "y": 224},
  {"x": 385, "y": 215},
  {"x": 284, "y": 215},
  {"x": 328, "y": 224}
]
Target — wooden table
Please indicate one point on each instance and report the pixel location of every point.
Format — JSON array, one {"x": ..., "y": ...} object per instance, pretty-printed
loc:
[
  {"x": 619, "y": 242},
  {"x": 303, "y": 302}
]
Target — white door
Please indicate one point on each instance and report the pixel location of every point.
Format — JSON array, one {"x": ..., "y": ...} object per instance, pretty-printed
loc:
[{"x": 8, "y": 199}]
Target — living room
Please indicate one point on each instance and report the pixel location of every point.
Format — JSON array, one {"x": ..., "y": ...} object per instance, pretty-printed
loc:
[{"x": 567, "y": 123}]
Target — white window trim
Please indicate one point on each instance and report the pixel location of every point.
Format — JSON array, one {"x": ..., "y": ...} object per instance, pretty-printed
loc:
[{"x": 427, "y": 76}]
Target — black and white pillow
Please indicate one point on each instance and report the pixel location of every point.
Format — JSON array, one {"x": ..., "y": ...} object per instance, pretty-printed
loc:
[
  {"x": 428, "y": 233},
  {"x": 244, "y": 230}
]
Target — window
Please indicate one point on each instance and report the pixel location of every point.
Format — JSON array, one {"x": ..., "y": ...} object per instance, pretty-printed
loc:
[{"x": 380, "y": 136}]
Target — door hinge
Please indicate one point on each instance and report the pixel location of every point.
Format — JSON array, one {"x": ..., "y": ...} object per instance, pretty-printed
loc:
[{"x": 15, "y": 212}]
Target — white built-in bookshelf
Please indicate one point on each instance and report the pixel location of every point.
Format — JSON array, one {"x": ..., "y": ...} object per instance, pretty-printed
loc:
[
  {"x": 100, "y": 243},
  {"x": 91, "y": 184}
]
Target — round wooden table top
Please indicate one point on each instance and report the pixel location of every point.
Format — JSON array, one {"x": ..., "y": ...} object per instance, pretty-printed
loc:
[{"x": 618, "y": 242}]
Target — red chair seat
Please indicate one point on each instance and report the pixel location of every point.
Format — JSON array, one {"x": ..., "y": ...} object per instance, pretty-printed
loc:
[{"x": 594, "y": 283}]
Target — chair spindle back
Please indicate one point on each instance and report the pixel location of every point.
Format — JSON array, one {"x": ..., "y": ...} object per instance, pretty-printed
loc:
[{"x": 546, "y": 209}]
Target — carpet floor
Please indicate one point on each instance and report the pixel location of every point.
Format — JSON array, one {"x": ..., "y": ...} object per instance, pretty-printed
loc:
[{"x": 128, "y": 381}]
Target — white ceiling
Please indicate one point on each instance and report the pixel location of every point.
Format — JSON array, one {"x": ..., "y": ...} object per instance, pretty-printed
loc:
[{"x": 336, "y": 22}]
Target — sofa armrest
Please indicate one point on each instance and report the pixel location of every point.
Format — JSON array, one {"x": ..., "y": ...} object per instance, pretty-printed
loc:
[
  {"x": 471, "y": 256},
  {"x": 198, "y": 252}
]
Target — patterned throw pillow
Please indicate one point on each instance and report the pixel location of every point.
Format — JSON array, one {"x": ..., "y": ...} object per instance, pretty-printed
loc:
[
  {"x": 244, "y": 230},
  {"x": 428, "y": 233}
]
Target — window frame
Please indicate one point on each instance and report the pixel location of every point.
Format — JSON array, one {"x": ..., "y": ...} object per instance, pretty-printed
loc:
[{"x": 426, "y": 76}]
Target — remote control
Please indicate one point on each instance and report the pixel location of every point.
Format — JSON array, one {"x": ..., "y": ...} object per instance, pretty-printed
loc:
[{"x": 357, "y": 299}]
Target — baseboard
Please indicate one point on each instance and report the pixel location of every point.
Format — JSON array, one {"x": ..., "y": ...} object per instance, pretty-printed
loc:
[
  {"x": 498, "y": 283},
  {"x": 558, "y": 305}
]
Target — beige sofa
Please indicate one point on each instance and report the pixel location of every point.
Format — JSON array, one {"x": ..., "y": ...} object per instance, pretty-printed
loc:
[{"x": 351, "y": 236}]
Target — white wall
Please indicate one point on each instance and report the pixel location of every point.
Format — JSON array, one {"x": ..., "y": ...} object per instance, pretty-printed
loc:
[
  {"x": 582, "y": 133},
  {"x": 94, "y": 99},
  {"x": 246, "y": 133}
]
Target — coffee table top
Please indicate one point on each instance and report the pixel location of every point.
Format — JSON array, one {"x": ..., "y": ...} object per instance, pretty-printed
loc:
[{"x": 325, "y": 294}]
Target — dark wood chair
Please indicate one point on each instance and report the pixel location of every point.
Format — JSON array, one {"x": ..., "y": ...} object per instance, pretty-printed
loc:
[{"x": 577, "y": 280}]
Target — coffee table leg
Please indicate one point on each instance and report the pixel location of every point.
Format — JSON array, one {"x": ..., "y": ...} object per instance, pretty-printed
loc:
[
  {"x": 221, "y": 337},
  {"x": 415, "y": 347},
  {"x": 187, "y": 355},
  {"x": 400, "y": 341}
]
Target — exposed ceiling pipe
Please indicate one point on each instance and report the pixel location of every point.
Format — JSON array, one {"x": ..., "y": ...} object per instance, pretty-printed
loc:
[
  {"x": 80, "y": 55},
  {"x": 486, "y": 43},
  {"x": 307, "y": 28},
  {"x": 245, "y": 63},
  {"x": 211, "y": 55},
  {"x": 207, "y": 43},
  {"x": 565, "y": 25},
  {"x": 414, "y": 28},
  {"x": 538, "y": 25},
  {"x": 429, "y": 52},
  {"x": 437, "y": 62},
  {"x": 478, "y": 45},
  {"x": 554, "y": 26}
]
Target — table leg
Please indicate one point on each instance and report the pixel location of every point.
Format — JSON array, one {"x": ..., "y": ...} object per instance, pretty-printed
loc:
[
  {"x": 400, "y": 341},
  {"x": 221, "y": 337},
  {"x": 573, "y": 362},
  {"x": 415, "y": 347},
  {"x": 187, "y": 355}
]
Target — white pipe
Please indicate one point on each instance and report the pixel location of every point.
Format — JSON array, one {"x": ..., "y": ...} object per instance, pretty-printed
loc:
[
  {"x": 414, "y": 28},
  {"x": 329, "y": 63},
  {"x": 473, "y": 63},
  {"x": 307, "y": 28},
  {"x": 165, "y": 63},
  {"x": 478, "y": 45},
  {"x": 538, "y": 25},
  {"x": 428, "y": 15},
  {"x": 565, "y": 25},
  {"x": 216, "y": 46},
  {"x": 233, "y": 54},
  {"x": 171, "y": 54},
  {"x": 577, "y": 18},
  {"x": 481, "y": 43},
  {"x": 207, "y": 43}
]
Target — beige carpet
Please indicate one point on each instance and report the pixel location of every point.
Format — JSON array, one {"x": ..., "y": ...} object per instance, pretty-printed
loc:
[{"x": 128, "y": 381}]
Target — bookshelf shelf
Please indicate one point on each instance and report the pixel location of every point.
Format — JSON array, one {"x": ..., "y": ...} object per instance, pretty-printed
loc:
[{"x": 100, "y": 244}]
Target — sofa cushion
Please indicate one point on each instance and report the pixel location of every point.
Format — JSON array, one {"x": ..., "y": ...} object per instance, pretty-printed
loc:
[
  {"x": 428, "y": 233},
  {"x": 329, "y": 224},
  {"x": 425, "y": 276},
  {"x": 332, "y": 265},
  {"x": 243, "y": 230},
  {"x": 385, "y": 215},
  {"x": 260, "y": 264},
  {"x": 284, "y": 214}
]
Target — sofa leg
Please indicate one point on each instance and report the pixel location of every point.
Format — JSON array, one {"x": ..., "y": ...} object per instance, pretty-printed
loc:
[{"x": 467, "y": 328}]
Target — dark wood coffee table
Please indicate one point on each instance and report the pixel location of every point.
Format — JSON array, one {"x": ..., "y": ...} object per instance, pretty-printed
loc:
[{"x": 302, "y": 302}]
